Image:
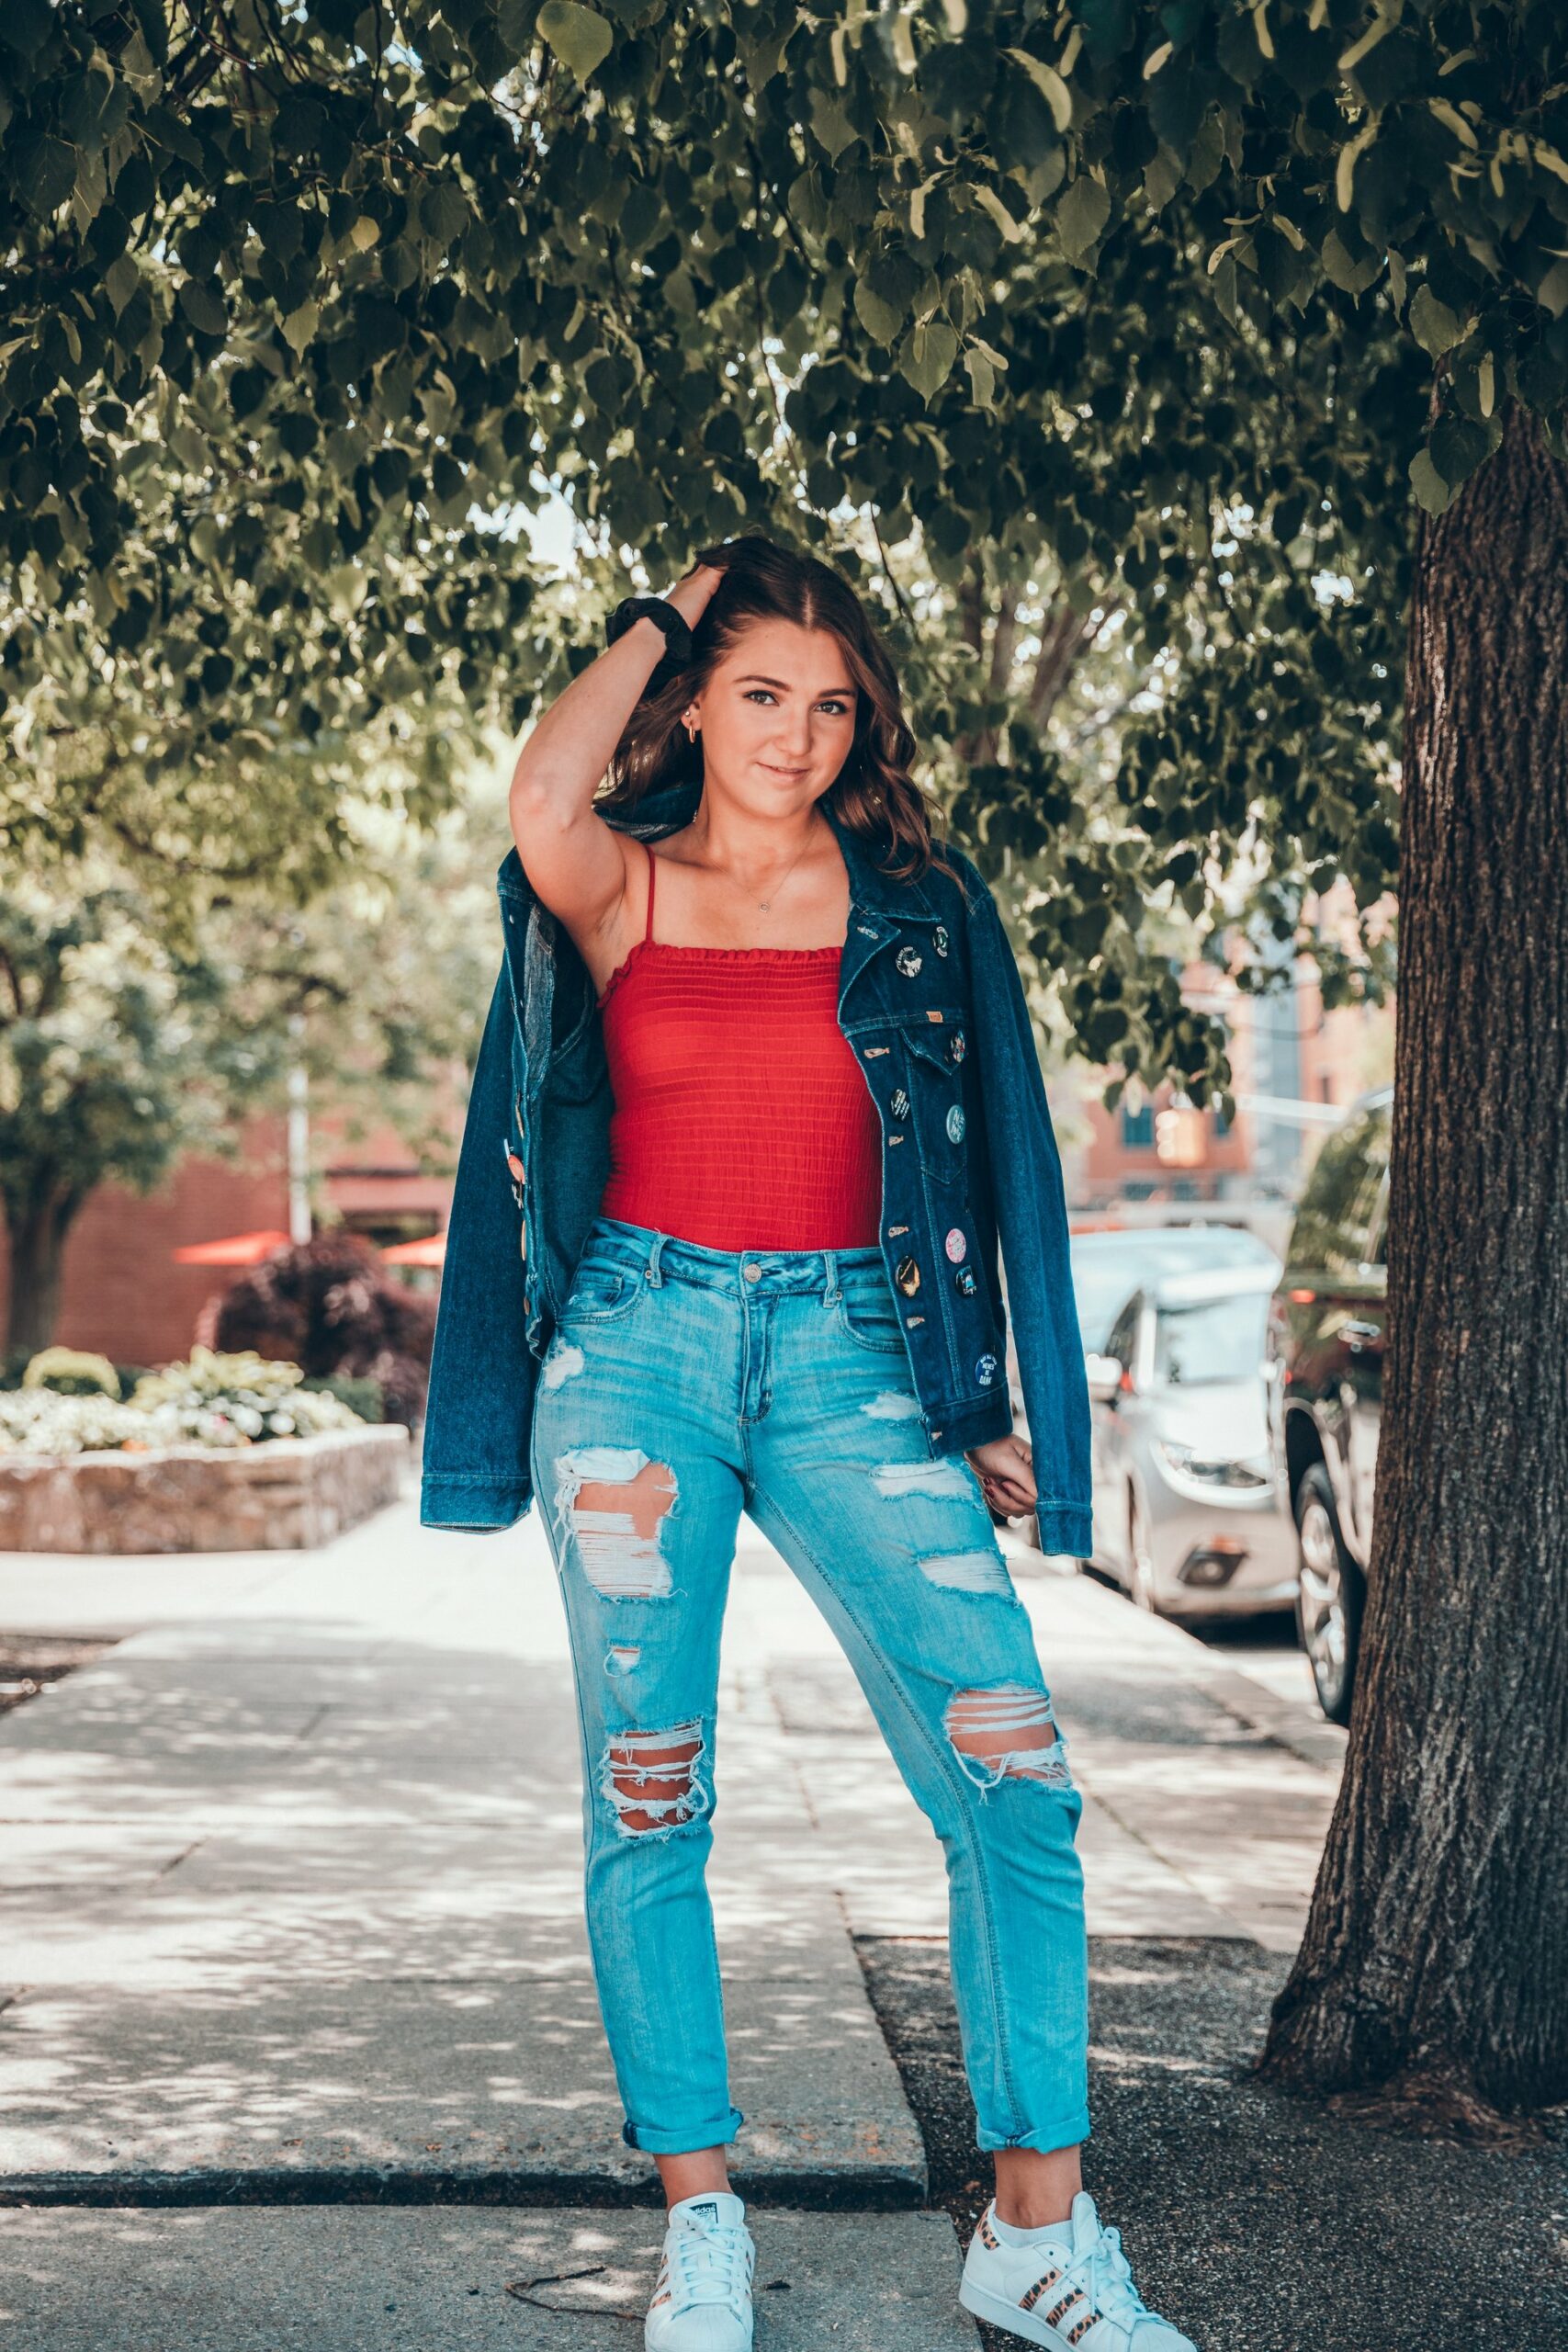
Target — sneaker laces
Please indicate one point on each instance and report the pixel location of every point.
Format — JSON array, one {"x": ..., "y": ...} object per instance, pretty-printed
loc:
[
  {"x": 1110, "y": 2279},
  {"x": 710, "y": 2262}
]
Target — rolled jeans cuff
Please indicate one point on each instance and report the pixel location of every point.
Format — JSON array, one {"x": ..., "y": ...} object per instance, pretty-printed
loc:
[
  {"x": 682, "y": 2143},
  {"x": 1069, "y": 2133}
]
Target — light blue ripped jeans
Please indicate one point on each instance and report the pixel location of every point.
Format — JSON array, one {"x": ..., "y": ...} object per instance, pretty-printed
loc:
[{"x": 682, "y": 1386}]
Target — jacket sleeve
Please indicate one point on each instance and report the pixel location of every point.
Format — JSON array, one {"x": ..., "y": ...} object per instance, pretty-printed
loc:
[
  {"x": 479, "y": 1409},
  {"x": 1032, "y": 1222}
]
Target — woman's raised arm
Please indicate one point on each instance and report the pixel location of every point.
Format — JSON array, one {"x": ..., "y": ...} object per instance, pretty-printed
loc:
[{"x": 574, "y": 860}]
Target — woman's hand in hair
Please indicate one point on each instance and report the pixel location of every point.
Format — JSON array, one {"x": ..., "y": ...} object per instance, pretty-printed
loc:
[
  {"x": 1005, "y": 1467},
  {"x": 691, "y": 595}
]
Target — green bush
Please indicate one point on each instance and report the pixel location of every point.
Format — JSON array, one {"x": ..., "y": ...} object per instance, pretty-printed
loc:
[
  {"x": 216, "y": 1400},
  {"x": 70, "y": 1371},
  {"x": 362, "y": 1396}
]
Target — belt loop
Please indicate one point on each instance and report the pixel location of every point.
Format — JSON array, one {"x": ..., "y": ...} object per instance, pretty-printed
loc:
[
  {"x": 652, "y": 1271},
  {"x": 831, "y": 1295}
]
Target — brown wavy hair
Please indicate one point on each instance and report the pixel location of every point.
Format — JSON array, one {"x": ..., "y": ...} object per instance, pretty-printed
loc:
[{"x": 874, "y": 793}]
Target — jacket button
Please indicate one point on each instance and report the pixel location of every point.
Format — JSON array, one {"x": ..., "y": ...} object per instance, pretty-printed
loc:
[
  {"x": 955, "y": 1124},
  {"x": 907, "y": 1276}
]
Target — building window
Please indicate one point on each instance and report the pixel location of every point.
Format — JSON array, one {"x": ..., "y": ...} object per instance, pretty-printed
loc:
[{"x": 1138, "y": 1128}]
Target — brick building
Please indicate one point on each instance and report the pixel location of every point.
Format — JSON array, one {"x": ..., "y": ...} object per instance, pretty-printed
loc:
[
  {"x": 124, "y": 1295},
  {"x": 1293, "y": 1062}
]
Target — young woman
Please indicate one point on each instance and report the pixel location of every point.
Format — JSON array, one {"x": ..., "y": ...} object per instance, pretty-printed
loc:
[{"x": 787, "y": 1301}]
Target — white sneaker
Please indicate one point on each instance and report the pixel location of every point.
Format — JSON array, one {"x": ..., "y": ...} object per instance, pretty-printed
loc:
[
  {"x": 1071, "y": 2289},
  {"x": 702, "y": 2300}
]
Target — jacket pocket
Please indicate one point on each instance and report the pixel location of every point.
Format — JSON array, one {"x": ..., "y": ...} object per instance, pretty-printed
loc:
[{"x": 930, "y": 1054}]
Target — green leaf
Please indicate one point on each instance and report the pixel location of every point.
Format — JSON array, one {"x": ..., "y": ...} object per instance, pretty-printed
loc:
[
  {"x": 203, "y": 306},
  {"x": 990, "y": 202},
  {"x": 831, "y": 125},
  {"x": 1345, "y": 172},
  {"x": 120, "y": 281},
  {"x": 1458, "y": 446},
  {"x": 25, "y": 25},
  {"x": 1081, "y": 214},
  {"x": 1049, "y": 84},
  {"x": 445, "y": 212},
  {"x": 1431, "y": 490},
  {"x": 1162, "y": 178},
  {"x": 982, "y": 377},
  {"x": 580, "y": 36},
  {"x": 1351, "y": 276},
  {"x": 299, "y": 327},
  {"x": 1552, "y": 291},
  {"x": 45, "y": 174},
  {"x": 927, "y": 358},
  {"x": 881, "y": 319},
  {"x": 1435, "y": 327}
]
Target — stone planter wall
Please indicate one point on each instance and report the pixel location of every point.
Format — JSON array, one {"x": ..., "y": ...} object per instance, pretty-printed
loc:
[{"x": 287, "y": 1494}]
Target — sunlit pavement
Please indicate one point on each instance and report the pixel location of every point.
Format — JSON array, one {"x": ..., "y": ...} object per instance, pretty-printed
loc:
[{"x": 290, "y": 1889}]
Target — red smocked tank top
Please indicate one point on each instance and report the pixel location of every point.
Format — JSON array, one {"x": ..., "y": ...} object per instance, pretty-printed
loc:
[{"x": 741, "y": 1119}]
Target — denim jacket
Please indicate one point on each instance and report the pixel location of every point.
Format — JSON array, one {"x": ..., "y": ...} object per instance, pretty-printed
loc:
[{"x": 930, "y": 1003}]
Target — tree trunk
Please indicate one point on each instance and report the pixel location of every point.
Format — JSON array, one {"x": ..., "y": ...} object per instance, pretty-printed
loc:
[
  {"x": 38, "y": 1253},
  {"x": 1433, "y": 1970}
]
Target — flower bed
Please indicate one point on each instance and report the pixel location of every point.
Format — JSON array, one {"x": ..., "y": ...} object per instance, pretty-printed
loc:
[
  {"x": 293, "y": 1494},
  {"x": 224, "y": 1454}
]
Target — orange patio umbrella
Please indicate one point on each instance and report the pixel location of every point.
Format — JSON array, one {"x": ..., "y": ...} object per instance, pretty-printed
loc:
[
  {"x": 431, "y": 1251},
  {"x": 231, "y": 1249}
]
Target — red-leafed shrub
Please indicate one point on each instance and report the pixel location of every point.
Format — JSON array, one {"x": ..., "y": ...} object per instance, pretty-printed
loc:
[{"x": 326, "y": 1305}]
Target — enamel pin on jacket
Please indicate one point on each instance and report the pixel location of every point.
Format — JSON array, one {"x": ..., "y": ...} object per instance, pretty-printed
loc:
[{"x": 932, "y": 1005}]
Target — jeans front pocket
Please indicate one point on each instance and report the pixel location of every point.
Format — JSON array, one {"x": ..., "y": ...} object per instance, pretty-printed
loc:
[
  {"x": 604, "y": 1289},
  {"x": 868, "y": 1313}
]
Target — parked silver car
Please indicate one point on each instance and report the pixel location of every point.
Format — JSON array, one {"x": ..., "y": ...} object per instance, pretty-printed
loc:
[
  {"x": 1186, "y": 1511},
  {"x": 1109, "y": 1261}
]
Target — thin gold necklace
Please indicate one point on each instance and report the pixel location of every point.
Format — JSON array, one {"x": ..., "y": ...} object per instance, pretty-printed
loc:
[{"x": 765, "y": 904}]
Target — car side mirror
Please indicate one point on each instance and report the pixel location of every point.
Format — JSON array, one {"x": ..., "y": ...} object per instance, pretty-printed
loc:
[{"x": 1104, "y": 1377}]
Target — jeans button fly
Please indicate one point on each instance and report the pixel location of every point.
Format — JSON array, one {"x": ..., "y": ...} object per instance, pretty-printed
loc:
[{"x": 752, "y": 1273}]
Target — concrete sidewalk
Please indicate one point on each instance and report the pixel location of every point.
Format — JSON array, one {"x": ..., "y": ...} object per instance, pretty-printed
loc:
[{"x": 289, "y": 1884}]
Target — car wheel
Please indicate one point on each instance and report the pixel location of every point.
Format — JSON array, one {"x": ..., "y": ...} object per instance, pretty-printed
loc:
[
  {"x": 1329, "y": 1596},
  {"x": 1141, "y": 1564}
]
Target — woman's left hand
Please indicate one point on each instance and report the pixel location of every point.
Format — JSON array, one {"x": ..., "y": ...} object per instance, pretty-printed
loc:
[{"x": 1005, "y": 1467}]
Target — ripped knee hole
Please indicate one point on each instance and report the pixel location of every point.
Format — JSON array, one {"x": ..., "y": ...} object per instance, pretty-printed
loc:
[
  {"x": 1007, "y": 1733},
  {"x": 650, "y": 1777}
]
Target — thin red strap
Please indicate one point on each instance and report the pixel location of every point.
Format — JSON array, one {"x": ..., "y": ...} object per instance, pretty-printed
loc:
[{"x": 647, "y": 928}]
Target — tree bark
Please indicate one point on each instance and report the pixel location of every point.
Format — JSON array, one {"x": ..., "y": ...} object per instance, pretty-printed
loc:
[
  {"x": 1433, "y": 1970},
  {"x": 37, "y": 1235}
]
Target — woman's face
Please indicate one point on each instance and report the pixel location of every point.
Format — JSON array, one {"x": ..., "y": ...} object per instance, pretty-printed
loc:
[{"x": 777, "y": 717}]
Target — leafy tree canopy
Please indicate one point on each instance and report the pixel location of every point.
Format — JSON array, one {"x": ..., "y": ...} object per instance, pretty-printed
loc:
[{"x": 1156, "y": 309}]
